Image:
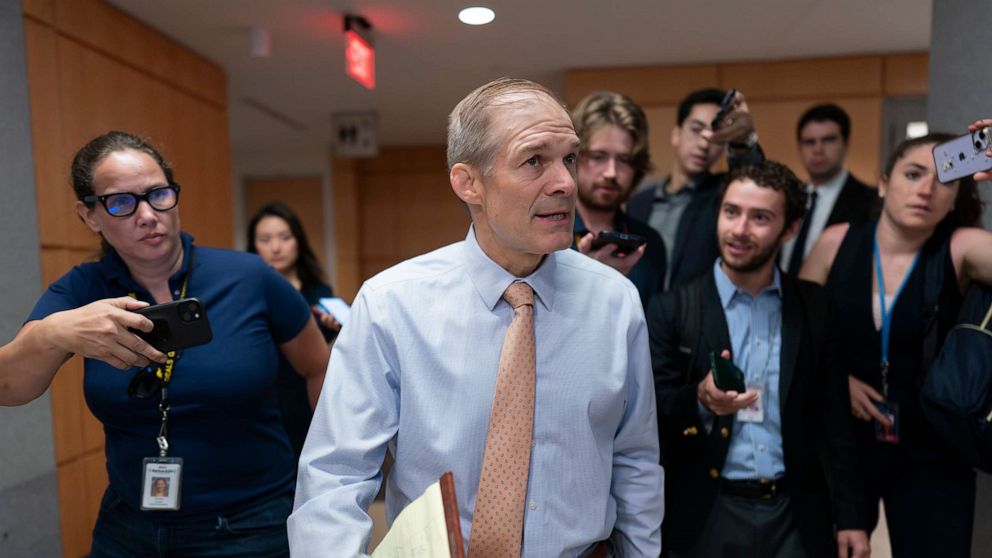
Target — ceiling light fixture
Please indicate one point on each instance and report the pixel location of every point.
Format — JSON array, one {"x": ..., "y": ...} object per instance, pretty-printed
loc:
[{"x": 476, "y": 16}]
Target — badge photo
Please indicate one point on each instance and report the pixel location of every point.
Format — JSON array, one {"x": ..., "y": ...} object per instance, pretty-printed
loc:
[
  {"x": 756, "y": 411},
  {"x": 161, "y": 483},
  {"x": 887, "y": 434}
]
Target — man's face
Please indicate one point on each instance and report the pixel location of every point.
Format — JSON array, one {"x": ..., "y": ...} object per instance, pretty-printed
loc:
[
  {"x": 524, "y": 208},
  {"x": 606, "y": 175},
  {"x": 694, "y": 153},
  {"x": 751, "y": 226},
  {"x": 822, "y": 150}
]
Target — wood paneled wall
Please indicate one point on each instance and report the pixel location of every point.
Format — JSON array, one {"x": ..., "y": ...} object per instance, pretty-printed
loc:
[
  {"x": 399, "y": 204},
  {"x": 91, "y": 69},
  {"x": 777, "y": 93},
  {"x": 391, "y": 208}
]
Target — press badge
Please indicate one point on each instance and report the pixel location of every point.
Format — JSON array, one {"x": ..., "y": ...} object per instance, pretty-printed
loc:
[
  {"x": 755, "y": 412},
  {"x": 887, "y": 434},
  {"x": 161, "y": 483}
]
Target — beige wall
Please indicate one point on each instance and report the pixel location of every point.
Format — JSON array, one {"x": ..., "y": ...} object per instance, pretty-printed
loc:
[
  {"x": 92, "y": 68},
  {"x": 399, "y": 204},
  {"x": 391, "y": 208}
]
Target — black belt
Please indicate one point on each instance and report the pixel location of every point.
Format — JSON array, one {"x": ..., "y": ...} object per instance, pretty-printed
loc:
[{"x": 758, "y": 489}]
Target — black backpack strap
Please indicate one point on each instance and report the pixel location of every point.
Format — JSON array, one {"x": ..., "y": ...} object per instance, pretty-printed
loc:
[{"x": 688, "y": 300}]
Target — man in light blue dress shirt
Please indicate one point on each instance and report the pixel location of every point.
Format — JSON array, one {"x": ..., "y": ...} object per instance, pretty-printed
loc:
[
  {"x": 746, "y": 470},
  {"x": 414, "y": 369}
]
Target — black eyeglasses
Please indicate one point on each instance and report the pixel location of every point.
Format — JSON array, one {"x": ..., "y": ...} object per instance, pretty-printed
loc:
[{"x": 123, "y": 204}]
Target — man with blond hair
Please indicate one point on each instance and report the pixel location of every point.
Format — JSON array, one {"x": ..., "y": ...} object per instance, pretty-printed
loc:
[
  {"x": 614, "y": 157},
  {"x": 517, "y": 364}
]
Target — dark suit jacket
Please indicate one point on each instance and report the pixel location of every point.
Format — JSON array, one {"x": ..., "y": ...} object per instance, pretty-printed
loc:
[
  {"x": 816, "y": 418},
  {"x": 695, "y": 246},
  {"x": 855, "y": 204}
]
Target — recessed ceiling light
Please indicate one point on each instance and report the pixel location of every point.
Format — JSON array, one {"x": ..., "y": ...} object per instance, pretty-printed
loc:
[{"x": 476, "y": 16}]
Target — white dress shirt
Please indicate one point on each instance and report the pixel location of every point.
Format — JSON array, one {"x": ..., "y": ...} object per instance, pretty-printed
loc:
[
  {"x": 826, "y": 196},
  {"x": 415, "y": 368}
]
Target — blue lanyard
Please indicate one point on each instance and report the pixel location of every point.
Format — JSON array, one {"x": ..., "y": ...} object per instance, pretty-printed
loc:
[{"x": 886, "y": 315}]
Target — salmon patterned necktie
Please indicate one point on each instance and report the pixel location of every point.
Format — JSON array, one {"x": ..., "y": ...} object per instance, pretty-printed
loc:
[{"x": 497, "y": 522}]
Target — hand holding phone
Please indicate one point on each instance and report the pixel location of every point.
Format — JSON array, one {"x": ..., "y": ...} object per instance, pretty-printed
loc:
[
  {"x": 964, "y": 155},
  {"x": 719, "y": 401},
  {"x": 336, "y": 307},
  {"x": 726, "y": 375},
  {"x": 725, "y": 106},
  {"x": 982, "y": 123},
  {"x": 625, "y": 242},
  {"x": 178, "y": 324}
]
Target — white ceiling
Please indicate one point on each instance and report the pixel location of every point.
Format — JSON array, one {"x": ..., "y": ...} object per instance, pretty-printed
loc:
[{"x": 427, "y": 60}]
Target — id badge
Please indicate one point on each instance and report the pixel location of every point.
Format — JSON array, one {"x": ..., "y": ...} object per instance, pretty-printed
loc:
[
  {"x": 887, "y": 434},
  {"x": 756, "y": 411},
  {"x": 161, "y": 483}
]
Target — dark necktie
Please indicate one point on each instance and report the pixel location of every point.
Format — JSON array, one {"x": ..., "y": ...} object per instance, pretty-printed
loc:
[{"x": 799, "y": 248}]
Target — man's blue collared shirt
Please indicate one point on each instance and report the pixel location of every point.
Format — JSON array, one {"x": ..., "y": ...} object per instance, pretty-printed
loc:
[
  {"x": 415, "y": 369},
  {"x": 755, "y": 326}
]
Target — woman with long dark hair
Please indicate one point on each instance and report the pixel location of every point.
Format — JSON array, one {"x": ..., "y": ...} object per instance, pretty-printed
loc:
[
  {"x": 276, "y": 234},
  {"x": 876, "y": 276},
  {"x": 204, "y": 418}
]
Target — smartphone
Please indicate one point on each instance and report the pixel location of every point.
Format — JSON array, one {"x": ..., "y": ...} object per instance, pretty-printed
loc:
[
  {"x": 625, "y": 242},
  {"x": 177, "y": 325},
  {"x": 726, "y": 375},
  {"x": 336, "y": 307},
  {"x": 963, "y": 156},
  {"x": 725, "y": 106}
]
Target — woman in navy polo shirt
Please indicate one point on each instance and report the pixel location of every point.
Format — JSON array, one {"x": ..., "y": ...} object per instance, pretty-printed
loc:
[{"x": 219, "y": 444}]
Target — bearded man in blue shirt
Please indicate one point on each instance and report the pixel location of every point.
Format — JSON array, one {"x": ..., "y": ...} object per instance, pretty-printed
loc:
[
  {"x": 766, "y": 468},
  {"x": 418, "y": 368}
]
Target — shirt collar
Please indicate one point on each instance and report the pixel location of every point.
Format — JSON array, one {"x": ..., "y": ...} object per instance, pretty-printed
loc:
[
  {"x": 491, "y": 280},
  {"x": 728, "y": 290},
  {"x": 830, "y": 186},
  {"x": 116, "y": 270},
  {"x": 690, "y": 186}
]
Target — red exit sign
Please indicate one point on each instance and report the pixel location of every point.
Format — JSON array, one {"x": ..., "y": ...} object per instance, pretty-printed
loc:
[{"x": 360, "y": 59}]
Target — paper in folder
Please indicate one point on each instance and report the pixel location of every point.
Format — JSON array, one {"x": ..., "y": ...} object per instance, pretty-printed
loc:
[{"x": 429, "y": 527}]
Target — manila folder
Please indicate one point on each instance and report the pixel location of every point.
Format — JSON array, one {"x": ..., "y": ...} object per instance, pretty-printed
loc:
[{"x": 429, "y": 527}]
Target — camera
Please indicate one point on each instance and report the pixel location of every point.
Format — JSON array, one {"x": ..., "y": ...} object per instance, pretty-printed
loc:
[
  {"x": 963, "y": 156},
  {"x": 177, "y": 325},
  {"x": 189, "y": 311}
]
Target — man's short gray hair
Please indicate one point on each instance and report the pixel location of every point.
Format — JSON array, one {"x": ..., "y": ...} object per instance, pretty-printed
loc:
[{"x": 470, "y": 138}]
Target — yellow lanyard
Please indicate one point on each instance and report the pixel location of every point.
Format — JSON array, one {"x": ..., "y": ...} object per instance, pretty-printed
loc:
[{"x": 165, "y": 375}]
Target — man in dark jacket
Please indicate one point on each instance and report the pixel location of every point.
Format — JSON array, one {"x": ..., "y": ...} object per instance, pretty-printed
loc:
[
  {"x": 836, "y": 196},
  {"x": 682, "y": 206},
  {"x": 747, "y": 470}
]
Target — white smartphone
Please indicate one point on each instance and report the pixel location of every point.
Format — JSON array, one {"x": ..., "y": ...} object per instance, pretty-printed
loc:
[
  {"x": 963, "y": 156},
  {"x": 336, "y": 307}
]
